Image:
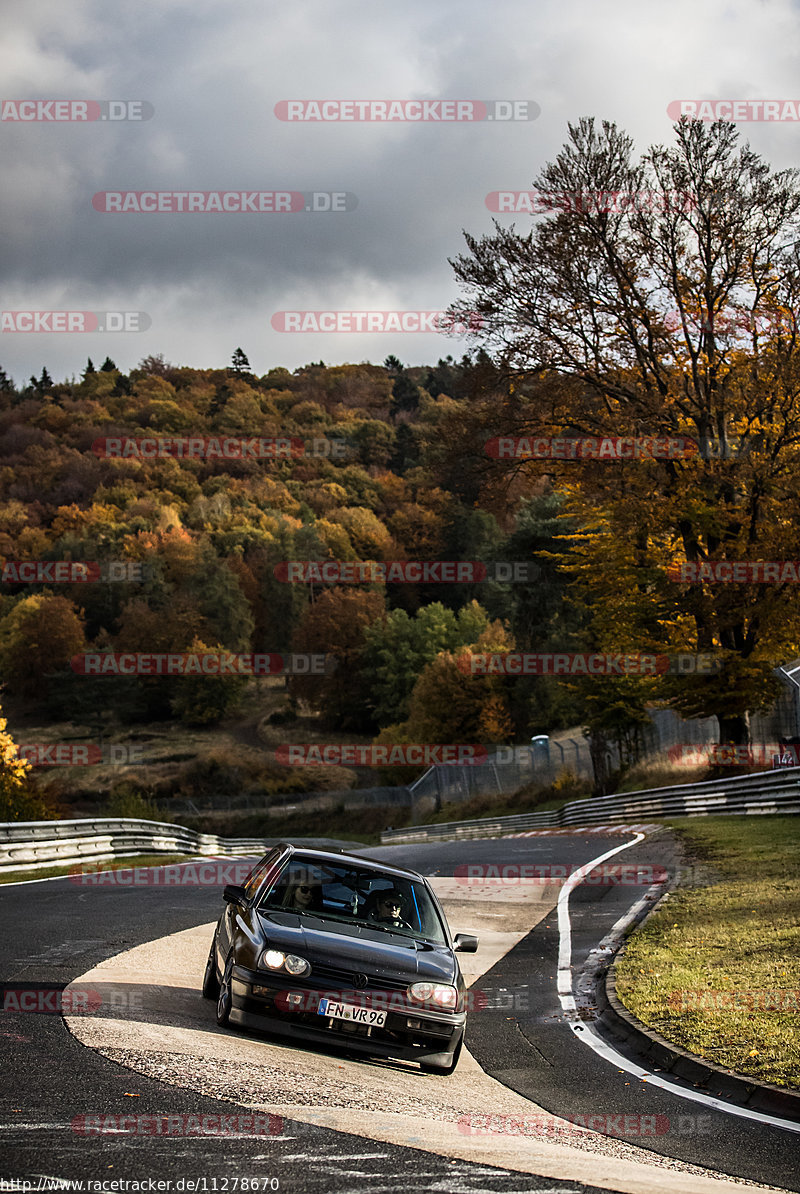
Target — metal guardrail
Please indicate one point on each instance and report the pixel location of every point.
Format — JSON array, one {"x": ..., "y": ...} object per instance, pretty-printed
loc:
[
  {"x": 30, "y": 845},
  {"x": 763, "y": 793}
]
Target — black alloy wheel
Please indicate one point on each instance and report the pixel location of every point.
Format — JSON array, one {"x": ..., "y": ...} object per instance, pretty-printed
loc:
[
  {"x": 210, "y": 978},
  {"x": 225, "y": 1000}
]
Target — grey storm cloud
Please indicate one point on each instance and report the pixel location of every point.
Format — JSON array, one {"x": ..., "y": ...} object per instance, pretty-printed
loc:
[{"x": 213, "y": 75}]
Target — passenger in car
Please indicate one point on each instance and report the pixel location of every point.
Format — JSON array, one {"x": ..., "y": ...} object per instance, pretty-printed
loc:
[{"x": 305, "y": 897}]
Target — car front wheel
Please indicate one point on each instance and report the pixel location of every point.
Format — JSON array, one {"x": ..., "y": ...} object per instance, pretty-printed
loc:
[
  {"x": 225, "y": 999},
  {"x": 442, "y": 1063},
  {"x": 210, "y": 979}
]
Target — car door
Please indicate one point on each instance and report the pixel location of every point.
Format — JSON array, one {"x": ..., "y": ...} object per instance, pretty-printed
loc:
[{"x": 226, "y": 929}]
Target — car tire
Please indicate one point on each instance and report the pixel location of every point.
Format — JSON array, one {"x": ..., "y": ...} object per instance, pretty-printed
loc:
[
  {"x": 445, "y": 1063},
  {"x": 211, "y": 978},
  {"x": 225, "y": 997}
]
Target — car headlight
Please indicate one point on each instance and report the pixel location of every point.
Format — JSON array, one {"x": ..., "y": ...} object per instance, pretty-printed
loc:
[
  {"x": 295, "y": 965},
  {"x": 273, "y": 959},
  {"x": 440, "y": 994}
]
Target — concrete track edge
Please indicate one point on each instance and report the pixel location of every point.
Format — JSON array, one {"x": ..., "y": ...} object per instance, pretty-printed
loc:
[{"x": 176, "y": 961}]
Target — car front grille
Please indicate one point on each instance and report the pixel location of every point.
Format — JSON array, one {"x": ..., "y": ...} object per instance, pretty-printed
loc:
[{"x": 338, "y": 976}]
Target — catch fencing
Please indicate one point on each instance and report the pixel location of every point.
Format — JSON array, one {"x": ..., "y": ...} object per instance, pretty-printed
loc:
[
  {"x": 763, "y": 793},
  {"x": 506, "y": 770},
  {"x": 286, "y": 802}
]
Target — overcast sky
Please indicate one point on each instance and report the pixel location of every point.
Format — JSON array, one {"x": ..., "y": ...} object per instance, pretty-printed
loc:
[{"x": 213, "y": 72}]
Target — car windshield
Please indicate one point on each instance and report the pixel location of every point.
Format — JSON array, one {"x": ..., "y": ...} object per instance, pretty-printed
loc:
[{"x": 356, "y": 896}]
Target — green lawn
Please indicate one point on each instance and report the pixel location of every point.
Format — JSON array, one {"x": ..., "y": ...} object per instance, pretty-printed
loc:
[
  {"x": 717, "y": 968},
  {"x": 109, "y": 864}
]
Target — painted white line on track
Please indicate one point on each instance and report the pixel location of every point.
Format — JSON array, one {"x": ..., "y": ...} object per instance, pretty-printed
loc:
[{"x": 589, "y": 1037}]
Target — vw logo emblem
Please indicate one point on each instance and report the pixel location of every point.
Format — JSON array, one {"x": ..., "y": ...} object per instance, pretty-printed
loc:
[{"x": 360, "y": 981}]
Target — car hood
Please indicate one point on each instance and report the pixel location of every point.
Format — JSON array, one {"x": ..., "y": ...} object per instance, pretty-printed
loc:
[{"x": 358, "y": 948}]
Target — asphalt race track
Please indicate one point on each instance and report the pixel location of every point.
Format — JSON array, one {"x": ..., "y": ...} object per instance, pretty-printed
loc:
[
  {"x": 55, "y": 931},
  {"x": 531, "y": 1050}
]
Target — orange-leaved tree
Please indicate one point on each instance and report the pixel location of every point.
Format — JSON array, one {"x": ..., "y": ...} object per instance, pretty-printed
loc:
[{"x": 670, "y": 317}]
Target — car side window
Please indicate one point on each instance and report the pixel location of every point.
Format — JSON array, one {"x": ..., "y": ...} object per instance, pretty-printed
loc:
[{"x": 253, "y": 880}]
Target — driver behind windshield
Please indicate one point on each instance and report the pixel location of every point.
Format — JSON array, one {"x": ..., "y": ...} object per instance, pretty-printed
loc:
[{"x": 388, "y": 909}]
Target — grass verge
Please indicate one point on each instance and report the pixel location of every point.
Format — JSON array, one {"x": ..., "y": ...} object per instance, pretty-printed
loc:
[
  {"x": 716, "y": 969},
  {"x": 109, "y": 864}
]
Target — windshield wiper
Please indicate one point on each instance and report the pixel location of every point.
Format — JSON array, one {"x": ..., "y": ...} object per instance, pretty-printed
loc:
[{"x": 376, "y": 924}]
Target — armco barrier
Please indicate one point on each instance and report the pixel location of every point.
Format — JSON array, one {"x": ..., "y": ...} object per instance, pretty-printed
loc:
[
  {"x": 766, "y": 792},
  {"x": 30, "y": 845}
]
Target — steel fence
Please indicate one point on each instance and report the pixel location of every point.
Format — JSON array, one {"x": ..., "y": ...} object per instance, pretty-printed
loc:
[{"x": 763, "y": 793}]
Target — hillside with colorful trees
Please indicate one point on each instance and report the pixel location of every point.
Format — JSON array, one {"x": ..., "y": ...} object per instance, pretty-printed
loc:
[
  {"x": 384, "y": 465},
  {"x": 192, "y": 546}
]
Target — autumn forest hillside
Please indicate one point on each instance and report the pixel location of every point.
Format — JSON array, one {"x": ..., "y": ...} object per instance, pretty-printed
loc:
[
  {"x": 190, "y": 552},
  {"x": 383, "y": 467}
]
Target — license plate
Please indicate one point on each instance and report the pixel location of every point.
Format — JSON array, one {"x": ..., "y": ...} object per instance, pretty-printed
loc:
[{"x": 347, "y": 1011}]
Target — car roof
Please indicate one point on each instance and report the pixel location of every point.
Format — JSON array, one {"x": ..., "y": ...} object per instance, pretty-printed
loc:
[{"x": 354, "y": 860}]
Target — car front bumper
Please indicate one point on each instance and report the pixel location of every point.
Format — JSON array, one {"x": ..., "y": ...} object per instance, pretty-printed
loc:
[{"x": 409, "y": 1033}]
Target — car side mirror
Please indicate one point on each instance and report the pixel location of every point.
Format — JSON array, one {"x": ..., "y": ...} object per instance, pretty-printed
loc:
[
  {"x": 234, "y": 895},
  {"x": 465, "y": 943}
]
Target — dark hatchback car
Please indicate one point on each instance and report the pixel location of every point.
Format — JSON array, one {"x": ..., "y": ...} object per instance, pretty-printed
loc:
[{"x": 329, "y": 947}]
